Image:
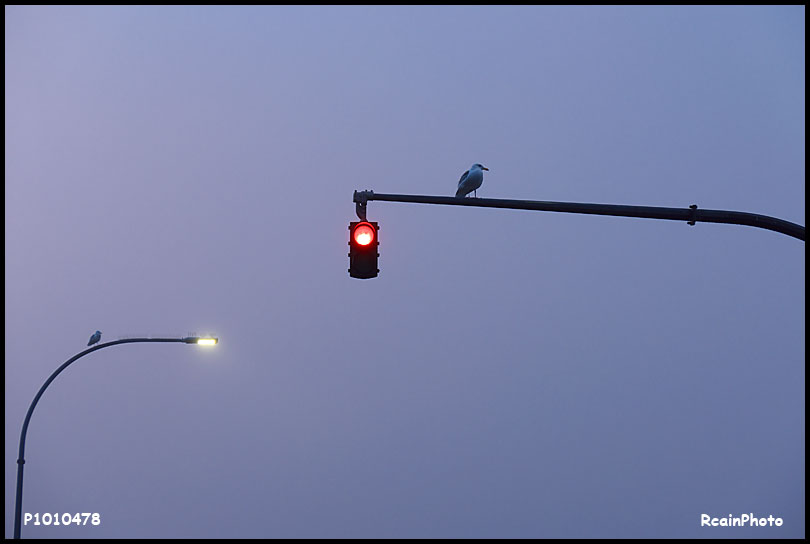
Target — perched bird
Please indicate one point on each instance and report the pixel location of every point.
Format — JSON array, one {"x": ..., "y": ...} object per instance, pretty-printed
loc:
[
  {"x": 471, "y": 180},
  {"x": 95, "y": 338}
]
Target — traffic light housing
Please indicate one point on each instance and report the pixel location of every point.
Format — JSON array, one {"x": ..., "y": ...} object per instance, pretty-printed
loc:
[{"x": 363, "y": 245}]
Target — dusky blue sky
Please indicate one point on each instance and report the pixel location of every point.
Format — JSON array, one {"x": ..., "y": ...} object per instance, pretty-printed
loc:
[{"x": 509, "y": 373}]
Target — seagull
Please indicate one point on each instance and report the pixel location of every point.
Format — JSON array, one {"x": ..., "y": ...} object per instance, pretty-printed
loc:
[
  {"x": 95, "y": 338},
  {"x": 471, "y": 180}
]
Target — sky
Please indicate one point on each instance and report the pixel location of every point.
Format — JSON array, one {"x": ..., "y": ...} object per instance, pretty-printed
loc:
[{"x": 510, "y": 374}]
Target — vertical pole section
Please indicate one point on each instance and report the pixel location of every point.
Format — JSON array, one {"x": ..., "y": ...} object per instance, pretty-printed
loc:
[{"x": 18, "y": 500}]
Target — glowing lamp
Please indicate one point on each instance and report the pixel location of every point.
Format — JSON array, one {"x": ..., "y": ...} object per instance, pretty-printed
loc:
[{"x": 364, "y": 234}]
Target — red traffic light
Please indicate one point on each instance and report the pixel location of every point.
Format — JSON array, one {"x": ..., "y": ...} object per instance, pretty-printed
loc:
[
  {"x": 363, "y": 246},
  {"x": 363, "y": 234}
]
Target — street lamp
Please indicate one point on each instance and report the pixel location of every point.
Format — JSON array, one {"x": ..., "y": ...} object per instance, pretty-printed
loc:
[{"x": 202, "y": 341}]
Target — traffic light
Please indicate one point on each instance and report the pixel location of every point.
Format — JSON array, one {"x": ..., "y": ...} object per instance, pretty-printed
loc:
[{"x": 363, "y": 249}]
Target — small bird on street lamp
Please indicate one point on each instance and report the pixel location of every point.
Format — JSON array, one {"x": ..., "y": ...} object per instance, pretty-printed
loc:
[
  {"x": 95, "y": 338},
  {"x": 471, "y": 180}
]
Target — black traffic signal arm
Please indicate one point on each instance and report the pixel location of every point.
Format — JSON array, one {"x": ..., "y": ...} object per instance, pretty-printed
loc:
[{"x": 691, "y": 214}]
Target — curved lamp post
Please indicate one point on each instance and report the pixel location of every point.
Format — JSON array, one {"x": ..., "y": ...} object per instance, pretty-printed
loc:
[{"x": 203, "y": 341}]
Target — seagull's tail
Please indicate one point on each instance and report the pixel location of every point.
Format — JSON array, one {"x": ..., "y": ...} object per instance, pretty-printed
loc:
[{"x": 460, "y": 192}]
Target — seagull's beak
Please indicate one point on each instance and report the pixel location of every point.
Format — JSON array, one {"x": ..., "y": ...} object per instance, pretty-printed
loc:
[{"x": 485, "y": 168}]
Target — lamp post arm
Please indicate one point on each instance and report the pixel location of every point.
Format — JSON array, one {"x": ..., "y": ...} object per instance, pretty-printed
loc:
[{"x": 21, "y": 457}]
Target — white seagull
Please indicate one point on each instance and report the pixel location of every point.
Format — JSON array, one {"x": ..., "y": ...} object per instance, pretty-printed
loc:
[
  {"x": 95, "y": 338},
  {"x": 471, "y": 180}
]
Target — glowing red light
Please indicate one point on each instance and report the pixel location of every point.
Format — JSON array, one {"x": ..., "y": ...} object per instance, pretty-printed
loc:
[{"x": 364, "y": 234}]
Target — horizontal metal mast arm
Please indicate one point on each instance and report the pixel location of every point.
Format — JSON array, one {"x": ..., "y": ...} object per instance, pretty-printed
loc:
[{"x": 690, "y": 215}]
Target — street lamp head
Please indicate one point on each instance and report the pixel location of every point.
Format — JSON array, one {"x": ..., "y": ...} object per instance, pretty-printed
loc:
[{"x": 201, "y": 341}]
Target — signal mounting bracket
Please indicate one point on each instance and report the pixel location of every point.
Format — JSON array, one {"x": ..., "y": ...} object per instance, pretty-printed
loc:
[{"x": 361, "y": 200}]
